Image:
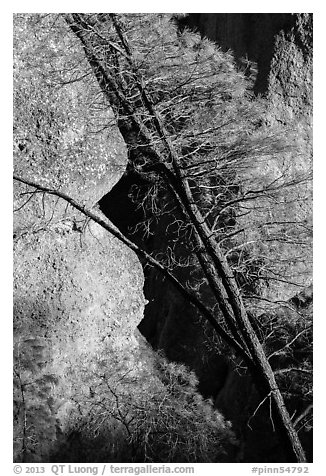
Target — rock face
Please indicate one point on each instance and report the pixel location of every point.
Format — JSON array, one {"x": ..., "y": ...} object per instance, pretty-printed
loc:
[
  {"x": 84, "y": 282},
  {"x": 69, "y": 273},
  {"x": 76, "y": 288},
  {"x": 74, "y": 293}
]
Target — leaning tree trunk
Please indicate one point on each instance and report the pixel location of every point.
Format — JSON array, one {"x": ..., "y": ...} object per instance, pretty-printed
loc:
[{"x": 139, "y": 135}]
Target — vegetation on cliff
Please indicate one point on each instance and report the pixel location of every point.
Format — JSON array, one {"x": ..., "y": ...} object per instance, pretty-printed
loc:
[{"x": 221, "y": 179}]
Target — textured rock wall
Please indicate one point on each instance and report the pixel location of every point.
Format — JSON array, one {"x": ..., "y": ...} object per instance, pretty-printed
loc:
[
  {"x": 77, "y": 289},
  {"x": 76, "y": 286}
]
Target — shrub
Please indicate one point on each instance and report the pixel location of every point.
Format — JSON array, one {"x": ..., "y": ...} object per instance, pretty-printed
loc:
[{"x": 143, "y": 412}]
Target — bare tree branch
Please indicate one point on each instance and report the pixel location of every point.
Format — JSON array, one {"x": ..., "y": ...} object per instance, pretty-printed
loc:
[{"x": 104, "y": 222}]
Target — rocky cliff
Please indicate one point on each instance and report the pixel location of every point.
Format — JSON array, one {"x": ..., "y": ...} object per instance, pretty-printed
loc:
[
  {"x": 87, "y": 387},
  {"x": 77, "y": 288}
]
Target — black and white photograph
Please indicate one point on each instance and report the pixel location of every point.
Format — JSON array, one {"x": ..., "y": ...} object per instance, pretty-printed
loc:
[{"x": 162, "y": 240}]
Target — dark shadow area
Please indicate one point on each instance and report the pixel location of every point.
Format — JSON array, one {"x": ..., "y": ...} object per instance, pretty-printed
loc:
[
  {"x": 77, "y": 447},
  {"x": 175, "y": 329},
  {"x": 250, "y": 36},
  {"x": 120, "y": 208},
  {"x": 171, "y": 324}
]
